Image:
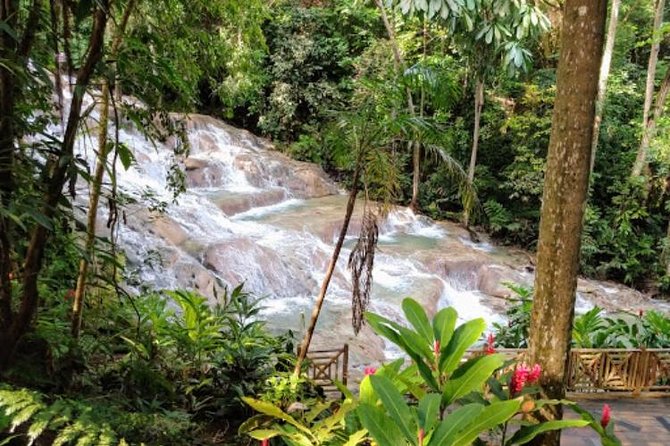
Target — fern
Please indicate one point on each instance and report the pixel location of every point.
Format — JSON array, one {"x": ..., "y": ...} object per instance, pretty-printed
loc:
[
  {"x": 73, "y": 422},
  {"x": 499, "y": 218}
]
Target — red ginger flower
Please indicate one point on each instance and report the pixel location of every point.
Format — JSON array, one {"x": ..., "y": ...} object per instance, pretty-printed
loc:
[
  {"x": 607, "y": 415},
  {"x": 369, "y": 371},
  {"x": 265, "y": 442},
  {"x": 534, "y": 374},
  {"x": 490, "y": 348},
  {"x": 522, "y": 375},
  {"x": 436, "y": 347}
]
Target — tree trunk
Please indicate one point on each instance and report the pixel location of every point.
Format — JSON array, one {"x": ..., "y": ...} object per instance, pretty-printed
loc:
[
  {"x": 604, "y": 75},
  {"x": 479, "y": 105},
  {"x": 416, "y": 153},
  {"x": 649, "y": 130},
  {"x": 641, "y": 158},
  {"x": 399, "y": 64},
  {"x": 416, "y": 175},
  {"x": 96, "y": 186},
  {"x": 307, "y": 339},
  {"x": 14, "y": 51},
  {"x": 8, "y": 48},
  {"x": 564, "y": 197},
  {"x": 54, "y": 191}
]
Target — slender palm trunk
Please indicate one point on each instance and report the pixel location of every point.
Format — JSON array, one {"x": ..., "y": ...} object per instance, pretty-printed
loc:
[
  {"x": 416, "y": 153},
  {"x": 316, "y": 311},
  {"x": 641, "y": 158},
  {"x": 96, "y": 186},
  {"x": 479, "y": 105},
  {"x": 604, "y": 75},
  {"x": 564, "y": 198}
]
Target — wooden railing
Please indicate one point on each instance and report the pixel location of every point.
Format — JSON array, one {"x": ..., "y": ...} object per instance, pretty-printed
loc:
[
  {"x": 328, "y": 366},
  {"x": 612, "y": 370},
  {"x": 589, "y": 370}
]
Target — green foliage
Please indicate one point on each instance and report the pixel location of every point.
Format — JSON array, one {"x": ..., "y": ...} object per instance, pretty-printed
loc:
[
  {"x": 458, "y": 401},
  {"x": 70, "y": 420},
  {"x": 514, "y": 333},
  {"x": 592, "y": 329},
  {"x": 33, "y": 416},
  {"x": 438, "y": 399},
  {"x": 322, "y": 424},
  {"x": 310, "y": 65}
]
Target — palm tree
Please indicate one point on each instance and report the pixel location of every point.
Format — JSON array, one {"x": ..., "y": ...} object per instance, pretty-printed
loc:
[{"x": 364, "y": 139}]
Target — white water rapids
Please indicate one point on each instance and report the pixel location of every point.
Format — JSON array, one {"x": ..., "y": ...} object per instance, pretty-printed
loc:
[{"x": 251, "y": 214}]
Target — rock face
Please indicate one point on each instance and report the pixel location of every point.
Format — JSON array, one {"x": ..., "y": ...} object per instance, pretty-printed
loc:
[
  {"x": 262, "y": 269},
  {"x": 223, "y": 156}
]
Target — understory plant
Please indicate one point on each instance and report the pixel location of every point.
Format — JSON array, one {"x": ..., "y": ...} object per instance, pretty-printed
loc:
[
  {"x": 440, "y": 397},
  {"x": 592, "y": 329},
  {"x": 148, "y": 369}
]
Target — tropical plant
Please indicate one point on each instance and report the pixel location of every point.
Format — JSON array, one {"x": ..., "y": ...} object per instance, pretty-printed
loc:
[
  {"x": 32, "y": 417},
  {"x": 514, "y": 333},
  {"x": 322, "y": 424},
  {"x": 459, "y": 399}
]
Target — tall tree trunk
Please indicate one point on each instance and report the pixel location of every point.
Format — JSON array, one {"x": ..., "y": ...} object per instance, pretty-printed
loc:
[
  {"x": 96, "y": 186},
  {"x": 604, "y": 75},
  {"x": 479, "y": 105},
  {"x": 564, "y": 197},
  {"x": 649, "y": 130},
  {"x": 307, "y": 339},
  {"x": 641, "y": 158},
  {"x": 8, "y": 48},
  {"x": 15, "y": 51},
  {"x": 53, "y": 193},
  {"x": 399, "y": 64},
  {"x": 416, "y": 153}
]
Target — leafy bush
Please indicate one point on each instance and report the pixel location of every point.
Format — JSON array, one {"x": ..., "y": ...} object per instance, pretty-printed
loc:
[
  {"x": 592, "y": 329},
  {"x": 31, "y": 415},
  {"x": 441, "y": 398},
  {"x": 514, "y": 333}
]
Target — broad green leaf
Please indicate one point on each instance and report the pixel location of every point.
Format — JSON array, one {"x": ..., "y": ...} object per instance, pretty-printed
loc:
[
  {"x": 426, "y": 373},
  {"x": 444, "y": 323},
  {"x": 382, "y": 429},
  {"x": 454, "y": 423},
  {"x": 463, "y": 338},
  {"x": 272, "y": 410},
  {"x": 315, "y": 411},
  {"x": 417, "y": 343},
  {"x": 390, "y": 330},
  {"x": 328, "y": 424},
  {"x": 125, "y": 155},
  {"x": 356, "y": 438},
  {"x": 395, "y": 405},
  {"x": 428, "y": 410},
  {"x": 384, "y": 327},
  {"x": 366, "y": 394},
  {"x": 471, "y": 376},
  {"x": 417, "y": 317},
  {"x": 490, "y": 417},
  {"x": 527, "y": 433}
]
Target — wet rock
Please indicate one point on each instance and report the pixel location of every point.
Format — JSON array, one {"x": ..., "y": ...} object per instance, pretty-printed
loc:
[{"x": 262, "y": 270}]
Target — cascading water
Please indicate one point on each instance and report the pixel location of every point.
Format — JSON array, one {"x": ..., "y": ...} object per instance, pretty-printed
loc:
[{"x": 251, "y": 214}]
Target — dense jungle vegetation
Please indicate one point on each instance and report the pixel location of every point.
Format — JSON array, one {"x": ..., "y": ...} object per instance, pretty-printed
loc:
[{"x": 442, "y": 105}]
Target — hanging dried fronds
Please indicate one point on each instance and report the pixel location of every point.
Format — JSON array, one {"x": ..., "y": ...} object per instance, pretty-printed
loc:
[{"x": 361, "y": 262}]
